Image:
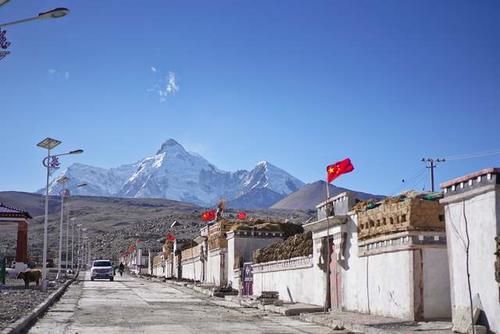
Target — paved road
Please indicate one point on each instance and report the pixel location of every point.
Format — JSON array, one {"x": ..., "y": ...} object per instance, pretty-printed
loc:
[{"x": 131, "y": 305}]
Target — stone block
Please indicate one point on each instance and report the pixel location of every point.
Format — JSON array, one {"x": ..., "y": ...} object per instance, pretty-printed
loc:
[
  {"x": 462, "y": 318},
  {"x": 478, "y": 329}
]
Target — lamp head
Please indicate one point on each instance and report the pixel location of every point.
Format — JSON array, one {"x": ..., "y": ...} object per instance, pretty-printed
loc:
[{"x": 54, "y": 13}]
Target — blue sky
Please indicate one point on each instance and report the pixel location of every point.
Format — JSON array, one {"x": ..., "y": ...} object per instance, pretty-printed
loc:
[{"x": 301, "y": 84}]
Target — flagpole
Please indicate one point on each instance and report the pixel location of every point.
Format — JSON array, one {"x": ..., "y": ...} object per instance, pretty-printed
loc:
[{"x": 327, "y": 295}]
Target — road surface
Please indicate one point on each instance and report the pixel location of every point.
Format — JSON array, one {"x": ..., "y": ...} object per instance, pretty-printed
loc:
[{"x": 132, "y": 305}]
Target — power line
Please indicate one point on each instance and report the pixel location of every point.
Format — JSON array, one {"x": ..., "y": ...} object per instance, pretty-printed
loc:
[
  {"x": 431, "y": 164},
  {"x": 409, "y": 182},
  {"x": 472, "y": 155}
]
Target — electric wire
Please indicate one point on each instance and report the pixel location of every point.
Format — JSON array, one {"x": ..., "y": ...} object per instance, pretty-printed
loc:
[
  {"x": 472, "y": 155},
  {"x": 409, "y": 182}
]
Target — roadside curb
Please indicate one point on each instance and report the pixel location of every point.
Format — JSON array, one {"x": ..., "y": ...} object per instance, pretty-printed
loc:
[
  {"x": 291, "y": 310},
  {"x": 21, "y": 325}
]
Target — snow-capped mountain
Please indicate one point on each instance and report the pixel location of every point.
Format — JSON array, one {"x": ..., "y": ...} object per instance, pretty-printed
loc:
[
  {"x": 175, "y": 173},
  {"x": 99, "y": 181}
]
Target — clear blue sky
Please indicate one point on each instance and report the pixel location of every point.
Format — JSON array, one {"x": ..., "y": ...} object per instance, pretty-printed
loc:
[{"x": 299, "y": 83}]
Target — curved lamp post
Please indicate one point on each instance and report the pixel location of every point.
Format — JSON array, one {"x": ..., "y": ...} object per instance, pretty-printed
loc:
[
  {"x": 49, "y": 162},
  {"x": 51, "y": 14}
]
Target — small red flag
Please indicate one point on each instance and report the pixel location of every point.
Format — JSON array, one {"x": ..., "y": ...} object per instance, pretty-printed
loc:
[
  {"x": 242, "y": 215},
  {"x": 338, "y": 168},
  {"x": 208, "y": 215},
  {"x": 170, "y": 237}
]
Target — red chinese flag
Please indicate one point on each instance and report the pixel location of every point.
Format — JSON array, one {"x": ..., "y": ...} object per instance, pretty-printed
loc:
[
  {"x": 242, "y": 215},
  {"x": 338, "y": 168},
  {"x": 170, "y": 237},
  {"x": 208, "y": 215}
]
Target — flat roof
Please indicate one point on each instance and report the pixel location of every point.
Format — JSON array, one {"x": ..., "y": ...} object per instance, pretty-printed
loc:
[{"x": 465, "y": 178}]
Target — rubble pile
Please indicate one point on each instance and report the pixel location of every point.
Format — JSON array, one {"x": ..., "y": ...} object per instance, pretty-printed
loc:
[{"x": 295, "y": 246}]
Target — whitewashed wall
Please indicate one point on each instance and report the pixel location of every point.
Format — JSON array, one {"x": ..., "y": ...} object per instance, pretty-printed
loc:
[
  {"x": 239, "y": 244},
  {"x": 291, "y": 278},
  {"x": 482, "y": 211},
  {"x": 378, "y": 284},
  {"x": 169, "y": 269},
  {"x": 437, "y": 300},
  {"x": 217, "y": 267},
  {"x": 384, "y": 284},
  {"x": 192, "y": 269}
]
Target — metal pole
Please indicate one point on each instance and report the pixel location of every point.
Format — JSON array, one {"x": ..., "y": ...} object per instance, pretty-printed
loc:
[
  {"x": 67, "y": 240},
  {"x": 72, "y": 244},
  {"x": 61, "y": 232},
  {"x": 45, "y": 223},
  {"x": 328, "y": 249}
]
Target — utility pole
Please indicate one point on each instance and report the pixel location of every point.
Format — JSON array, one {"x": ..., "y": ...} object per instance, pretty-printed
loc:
[{"x": 431, "y": 164}]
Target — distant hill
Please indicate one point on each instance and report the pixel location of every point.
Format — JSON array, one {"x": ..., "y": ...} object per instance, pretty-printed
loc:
[
  {"x": 255, "y": 199},
  {"x": 114, "y": 223},
  {"x": 314, "y": 193}
]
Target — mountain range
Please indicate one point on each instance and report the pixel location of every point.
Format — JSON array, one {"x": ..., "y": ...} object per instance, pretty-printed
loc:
[
  {"x": 314, "y": 193},
  {"x": 177, "y": 174}
]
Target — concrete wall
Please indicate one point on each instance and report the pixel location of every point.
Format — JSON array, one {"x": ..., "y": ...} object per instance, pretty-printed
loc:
[
  {"x": 217, "y": 267},
  {"x": 482, "y": 210},
  {"x": 169, "y": 269},
  {"x": 379, "y": 284},
  {"x": 244, "y": 246},
  {"x": 192, "y": 269},
  {"x": 289, "y": 277},
  {"x": 402, "y": 282},
  {"x": 437, "y": 300}
]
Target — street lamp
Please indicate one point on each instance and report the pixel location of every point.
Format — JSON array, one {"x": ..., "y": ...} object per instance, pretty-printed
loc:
[
  {"x": 51, "y": 14},
  {"x": 49, "y": 162},
  {"x": 64, "y": 192},
  {"x": 67, "y": 228}
]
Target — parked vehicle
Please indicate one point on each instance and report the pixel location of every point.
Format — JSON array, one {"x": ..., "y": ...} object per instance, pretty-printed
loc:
[{"x": 102, "y": 269}]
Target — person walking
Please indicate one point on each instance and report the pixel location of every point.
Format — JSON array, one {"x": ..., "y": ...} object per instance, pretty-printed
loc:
[{"x": 121, "y": 268}]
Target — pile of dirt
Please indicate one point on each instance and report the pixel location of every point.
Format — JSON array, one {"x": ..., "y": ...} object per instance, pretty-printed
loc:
[{"x": 295, "y": 246}]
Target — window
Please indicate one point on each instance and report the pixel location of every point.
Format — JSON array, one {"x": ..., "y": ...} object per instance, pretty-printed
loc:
[{"x": 403, "y": 218}]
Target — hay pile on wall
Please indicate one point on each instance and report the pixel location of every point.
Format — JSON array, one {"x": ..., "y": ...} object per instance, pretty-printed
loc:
[
  {"x": 295, "y": 246},
  {"x": 288, "y": 229}
]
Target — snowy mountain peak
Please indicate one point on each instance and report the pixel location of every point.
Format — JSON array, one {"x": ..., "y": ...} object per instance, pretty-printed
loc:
[
  {"x": 176, "y": 174},
  {"x": 170, "y": 145}
]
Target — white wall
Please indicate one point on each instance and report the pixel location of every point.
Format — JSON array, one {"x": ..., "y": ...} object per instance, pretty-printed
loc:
[
  {"x": 378, "y": 284},
  {"x": 244, "y": 246},
  {"x": 192, "y": 269},
  {"x": 437, "y": 300},
  {"x": 481, "y": 212},
  {"x": 384, "y": 284},
  {"x": 291, "y": 278},
  {"x": 216, "y": 274}
]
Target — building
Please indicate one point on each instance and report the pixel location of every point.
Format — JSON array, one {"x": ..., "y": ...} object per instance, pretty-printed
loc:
[
  {"x": 472, "y": 214},
  {"x": 387, "y": 258},
  {"x": 10, "y": 215}
]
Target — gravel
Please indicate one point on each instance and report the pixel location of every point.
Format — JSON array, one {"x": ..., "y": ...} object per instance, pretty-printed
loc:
[{"x": 16, "y": 302}]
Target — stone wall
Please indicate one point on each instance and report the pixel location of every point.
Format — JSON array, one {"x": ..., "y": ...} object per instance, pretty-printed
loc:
[{"x": 398, "y": 215}]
